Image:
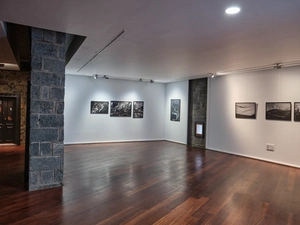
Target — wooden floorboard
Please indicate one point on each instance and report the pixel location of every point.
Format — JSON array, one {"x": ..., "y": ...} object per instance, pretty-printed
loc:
[{"x": 152, "y": 183}]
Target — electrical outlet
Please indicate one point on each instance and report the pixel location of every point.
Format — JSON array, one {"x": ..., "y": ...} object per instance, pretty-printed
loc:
[{"x": 270, "y": 147}]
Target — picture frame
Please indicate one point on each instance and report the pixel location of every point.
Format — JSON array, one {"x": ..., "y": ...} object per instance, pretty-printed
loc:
[
  {"x": 279, "y": 111},
  {"x": 99, "y": 107},
  {"x": 245, "y": 110},
  {"x": 120, "y": 108},
  {"x": 175, "y": 110},
  {"x": 297, "y": 111},
  {"x": 138, "y": 109},
  {"x": 199, "y": 129}
]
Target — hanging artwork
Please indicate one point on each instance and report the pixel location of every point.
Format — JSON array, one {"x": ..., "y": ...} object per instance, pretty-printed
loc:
[
  {"x": 278, "y": 111},
  {"x": 245, "y": 110},
  {"x": 297, "y": 111},
  {"x": 138, "y": 109},
  {"x": 175, "y": 110},
  {"x": 99, "y": 107},
  {"x": 120, "y": 108}
]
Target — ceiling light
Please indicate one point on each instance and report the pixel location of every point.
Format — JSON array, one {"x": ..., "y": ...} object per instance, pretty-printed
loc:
[
  {"x": 232, "y": 10},
  {"x": 212, "y": 76},
  {"x": 2, "y": 64},
  {"x": 151, "y": 81},
  {"x": 95, "y": 76},
  {"x": 105, "y": 77},
  {"x": 141, "y": 80},
  {"x": 277, "y": 66}
]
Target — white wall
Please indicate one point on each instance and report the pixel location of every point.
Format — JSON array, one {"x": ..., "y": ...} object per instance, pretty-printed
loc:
[
  {"x": 177, "y": 131},
  {"x": 249, "y": 137},
  {"x": 83, "y": 127}
]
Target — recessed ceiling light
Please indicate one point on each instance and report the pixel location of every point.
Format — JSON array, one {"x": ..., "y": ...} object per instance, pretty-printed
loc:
[{"x": 232, "y": 10}]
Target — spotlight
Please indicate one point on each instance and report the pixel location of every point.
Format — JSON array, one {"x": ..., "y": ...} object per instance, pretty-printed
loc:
[
  {"x": 151, "y": 81},
  {"x": 212, "y": 76},
  {"x": 95, "y": 76},
  {"x": 2, "y": 64},
  {"x": 141, "y": 80},
  {"x": 105, "y": 77}
]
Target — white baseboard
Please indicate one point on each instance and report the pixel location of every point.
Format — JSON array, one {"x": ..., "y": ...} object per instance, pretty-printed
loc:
[
  {"x": 178, "y": 142},
  {"x": 253, "y": 157},
  {"x": 112, "y": 141}
]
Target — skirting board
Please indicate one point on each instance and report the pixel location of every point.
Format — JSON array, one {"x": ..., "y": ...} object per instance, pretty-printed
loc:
[
  {"x": 178, "y": 142},
  {"x": 112, "y": 141},
  {"x": 252, "y": 157}
]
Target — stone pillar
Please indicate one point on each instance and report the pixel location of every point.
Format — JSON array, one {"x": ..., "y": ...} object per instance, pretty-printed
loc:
[
  {"x": 197, "y": 110},
  {"x": 46, "y": 132}
]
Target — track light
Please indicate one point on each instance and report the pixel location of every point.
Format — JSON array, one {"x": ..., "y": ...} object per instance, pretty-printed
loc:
[
  {"x": 141, "y": 80},
  {"x": 151, "y": 81},
  {"x": 105, "y": 77},
  {"x": 95, "y": 76},
  {"x": 2, "y": 64},
  {"x": 277, "y": 66}
]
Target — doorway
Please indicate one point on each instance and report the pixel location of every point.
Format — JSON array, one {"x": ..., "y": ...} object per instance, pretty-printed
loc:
[{"x": 9, "y": 119}]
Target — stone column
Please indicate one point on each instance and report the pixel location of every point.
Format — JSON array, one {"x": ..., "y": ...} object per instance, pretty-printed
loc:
[
  {"x": 197, "y": 110},
  {"x": 46, "y": 132}
]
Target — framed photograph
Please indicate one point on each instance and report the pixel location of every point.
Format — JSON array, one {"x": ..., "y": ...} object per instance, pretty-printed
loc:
[
  {"x": 138, "y": 109},
  {"x": 199, "y": 129},
  {"x": 99, "y": 107},
  {"x": 297, "y": 111},
  {"x": 120, "y": 108},
  {"x": 175, "y": 110},
  {"x": 245, "y": 110},
  {"x": 279, "y": 111}
]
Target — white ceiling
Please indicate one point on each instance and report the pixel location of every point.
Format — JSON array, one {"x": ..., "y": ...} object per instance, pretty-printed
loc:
[{"x": 168, "y": 40}]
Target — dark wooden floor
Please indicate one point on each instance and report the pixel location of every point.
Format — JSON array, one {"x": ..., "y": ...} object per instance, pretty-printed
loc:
[{"x": 152, "y": 183}]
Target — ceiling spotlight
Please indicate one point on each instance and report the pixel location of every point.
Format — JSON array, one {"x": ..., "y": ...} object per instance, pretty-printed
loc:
[
  {"x": 213, "y": 75},
  {"x": 141, "y": 80},
  {"x": 105, "y": 77},
  {"x": 232, "y": 10},
  {"x": 277, "y": 66},
  {"x": 2, "y": 64},
  {"x": 151, "y": 81},
  {"x": 95, "y": 76}
]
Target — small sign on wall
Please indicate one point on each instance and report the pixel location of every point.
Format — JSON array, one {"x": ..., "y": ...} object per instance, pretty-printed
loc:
[{"x": 199, "y": 129}]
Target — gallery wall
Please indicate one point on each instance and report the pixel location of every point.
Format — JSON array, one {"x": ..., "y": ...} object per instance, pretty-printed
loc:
[
  {"x": 177, "y": 130},
  {"x": 83, "y": 127},
  {"x": 248, "y": 137}
]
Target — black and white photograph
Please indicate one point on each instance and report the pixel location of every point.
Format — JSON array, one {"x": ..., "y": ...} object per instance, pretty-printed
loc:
[
  {"x": 138, "y": 109},
  {"x": 278, "y": 111},
  {"x": 245, "y": 110},
  {"x": 98, "y": 107},
  {"x": 175, "y": 110},
  {"x": 297, "y": 111},
  {"x": 120, "y": 108}
]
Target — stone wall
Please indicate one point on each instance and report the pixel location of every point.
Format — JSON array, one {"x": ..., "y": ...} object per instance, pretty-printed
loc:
[
  {"x": 46, "y": 133},
  {"x": 197, "y": 110},
  {"x": 15, "y": 82}
]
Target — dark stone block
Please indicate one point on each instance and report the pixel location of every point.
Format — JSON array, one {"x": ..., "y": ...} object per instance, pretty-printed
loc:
[
  {"x": 60, "y": 107},
  {"x": 36, "y": 34},
  {"x": 45, "y": 79},
  {"x": 60, "y": 38},
  {"x": 34, "y": 149},
  {"x": 61, "y": 134},
  {"x": 44, "y": 49},
  {"x": 33, "y": 178},
  {"x": 62, "y": 52},
  {"x": 51, "y": 120},
  {"x": 44, "y": 186},
  {"x": 47, "y": 177},
  {"x": 37, "y": 135},
  {"x": 36, "y": 62},
  {"x": 44, "y": 163},
  {"x": 45, "y": 93},
  {"x": 48, "y": 35},
  {"x": 35, "y": 92},
  {"x": 57, "y": 94},
  {"x": 58, "y": 148},
  {"x": 59, "y": 175},
  {"x": 54, "y": 65},
  {"x": 42, "y": 107},
  {"x": 45, "y": 148},
  {"x": 34, "y": 121}
]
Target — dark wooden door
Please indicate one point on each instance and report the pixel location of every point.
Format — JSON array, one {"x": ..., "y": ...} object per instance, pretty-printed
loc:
[{"x": 7, "y": 120}]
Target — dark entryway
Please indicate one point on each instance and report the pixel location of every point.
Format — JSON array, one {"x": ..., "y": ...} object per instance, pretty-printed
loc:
[{"x": 9, "y": 119}]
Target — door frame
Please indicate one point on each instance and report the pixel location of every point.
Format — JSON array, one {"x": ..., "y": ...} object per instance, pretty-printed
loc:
[{"x": 17, "y": 116}]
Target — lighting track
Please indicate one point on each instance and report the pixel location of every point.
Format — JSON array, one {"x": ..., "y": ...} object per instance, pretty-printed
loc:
[{"x": 103, "y": 49}]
